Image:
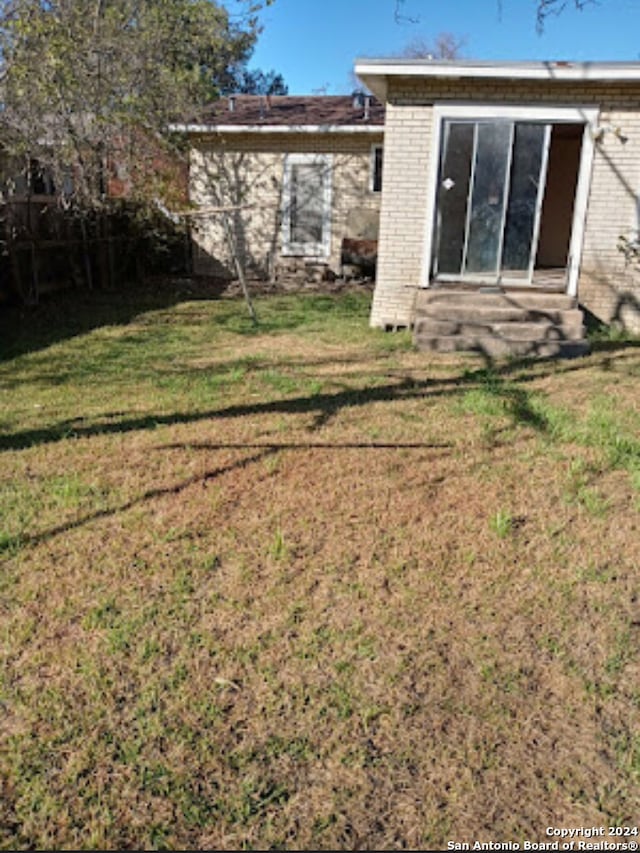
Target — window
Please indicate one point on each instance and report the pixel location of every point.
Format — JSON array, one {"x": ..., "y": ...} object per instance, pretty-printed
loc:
[
  {"x": 376, "y": 168},
  {"x": 307, "y": 205},
  {"x": 37, "y": 179}
]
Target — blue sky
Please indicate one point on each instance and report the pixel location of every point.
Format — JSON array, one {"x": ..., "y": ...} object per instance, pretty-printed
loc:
[{"x": 313, "y": 43}]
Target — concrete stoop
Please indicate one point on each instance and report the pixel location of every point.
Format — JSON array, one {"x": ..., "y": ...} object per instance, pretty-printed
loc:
[{"x": 495, "y": 322}]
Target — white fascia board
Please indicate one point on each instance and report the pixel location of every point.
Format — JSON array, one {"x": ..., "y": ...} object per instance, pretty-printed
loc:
[
  {"x": 373, "y": 81},
  {"x": 276, "y": 128},
  {"x": 375, "y": 73}
]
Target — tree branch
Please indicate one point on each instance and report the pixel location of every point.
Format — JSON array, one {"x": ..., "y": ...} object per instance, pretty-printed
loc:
[
  {"x": 403, "y": 19},
  {"x": 556, "y": 7}
]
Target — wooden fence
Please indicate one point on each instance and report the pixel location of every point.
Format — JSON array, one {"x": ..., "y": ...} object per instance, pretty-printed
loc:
[{"x": 45, "y": 247}]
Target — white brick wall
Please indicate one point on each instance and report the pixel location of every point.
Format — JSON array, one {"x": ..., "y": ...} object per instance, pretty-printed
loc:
[
  {"x": 247, "y": 169},
  {"x": 607, "y": 287}
]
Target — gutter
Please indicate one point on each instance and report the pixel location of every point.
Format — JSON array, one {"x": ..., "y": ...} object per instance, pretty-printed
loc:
[{"x": 276, "y": 128}]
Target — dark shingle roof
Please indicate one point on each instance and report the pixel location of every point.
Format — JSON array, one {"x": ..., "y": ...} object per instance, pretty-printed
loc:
[{"x": 296, "y": 111}]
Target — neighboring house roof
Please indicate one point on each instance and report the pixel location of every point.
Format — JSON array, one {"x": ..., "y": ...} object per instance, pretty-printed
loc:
[
  {"x": 284, "y": 113},
  {"x": 375, "y": 73}
]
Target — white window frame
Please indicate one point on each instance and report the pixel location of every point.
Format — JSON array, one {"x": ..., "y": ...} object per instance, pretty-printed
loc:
[
  {"x": 312, "y": 250},
  {"x": 377, "y": 146},
  {"x": 587, "y": 116}
]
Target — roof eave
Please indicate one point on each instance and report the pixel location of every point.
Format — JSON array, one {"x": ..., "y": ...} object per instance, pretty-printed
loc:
[{"x": 375, "y": 73}]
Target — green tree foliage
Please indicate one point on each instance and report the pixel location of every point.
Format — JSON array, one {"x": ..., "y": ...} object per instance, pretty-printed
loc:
[
  {"x": 81, "y": 79},
  {"x": 256, "y": 82}
]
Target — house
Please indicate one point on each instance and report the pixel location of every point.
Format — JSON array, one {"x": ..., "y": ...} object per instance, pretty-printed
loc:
[
  {"x": 508, "y": 188},
  {"x": 281, "y": 182}
]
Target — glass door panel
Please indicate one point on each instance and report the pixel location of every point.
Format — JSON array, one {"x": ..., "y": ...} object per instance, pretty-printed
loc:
[
  {"x": 493, "y": 151},
  {"x": 525, "y": 197},
  {"x": 453, "y": 195}
]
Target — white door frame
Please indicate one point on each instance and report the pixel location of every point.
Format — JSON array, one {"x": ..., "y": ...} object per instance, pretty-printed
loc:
[{"x": 587, "y": 116}]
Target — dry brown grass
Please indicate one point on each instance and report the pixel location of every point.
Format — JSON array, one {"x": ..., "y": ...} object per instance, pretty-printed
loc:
[{"x": 355, "y": 599}]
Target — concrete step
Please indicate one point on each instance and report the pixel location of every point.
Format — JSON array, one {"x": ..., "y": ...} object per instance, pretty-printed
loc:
[
  {"x": 469, "y": 313},
  {"x": 494, "y": 347},
  {"x": 568, "y": 329},
  {"x": 492, "y": 298},
  {"x": 486, "y": 315},
  {"x": 496, "y": 323},
  {"x": 572, "y": 330}
]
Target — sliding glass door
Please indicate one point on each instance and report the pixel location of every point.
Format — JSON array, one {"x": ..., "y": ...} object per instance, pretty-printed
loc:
[{"x": 491, "y": 186}]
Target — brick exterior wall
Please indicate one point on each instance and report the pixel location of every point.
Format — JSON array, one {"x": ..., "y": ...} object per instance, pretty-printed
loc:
[
  {"x": 247, "y": 169},
  {"x": 608, "y": 287}
]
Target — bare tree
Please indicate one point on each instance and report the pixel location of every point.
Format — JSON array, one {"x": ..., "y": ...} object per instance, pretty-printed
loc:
[{"x": 444, "y": 46}]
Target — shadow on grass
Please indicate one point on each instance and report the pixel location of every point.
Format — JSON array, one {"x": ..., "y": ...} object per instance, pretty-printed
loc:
[
  {"x": 324, "y": 406},
  {"x": 307, "y": 445},
  {"x": 517, "y": 403},
  {"x": 499, "y": 380},
  {"x": 65, "y": 315},
  {"x": 611, "y": 345},
  {"x": 605, "y": 337},
  {"x": 11, "y": 544}
]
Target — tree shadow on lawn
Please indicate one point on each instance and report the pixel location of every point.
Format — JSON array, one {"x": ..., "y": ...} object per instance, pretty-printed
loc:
[
  {"x": 64, "y": 315},
  {"x": 517, "y": 404},
  {"x": 325, "y": 407},
  {"x": 61, "y": 316},
  {"x": 8, "y": 544},
  {"x": 497, "y": 380}
]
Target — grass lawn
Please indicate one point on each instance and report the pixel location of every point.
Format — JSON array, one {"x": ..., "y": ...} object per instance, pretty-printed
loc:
[{"x": 301, "y": 587}]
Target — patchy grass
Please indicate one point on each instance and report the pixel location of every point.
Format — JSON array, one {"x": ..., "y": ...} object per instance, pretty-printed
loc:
[{"x": 297, "y": 586}]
